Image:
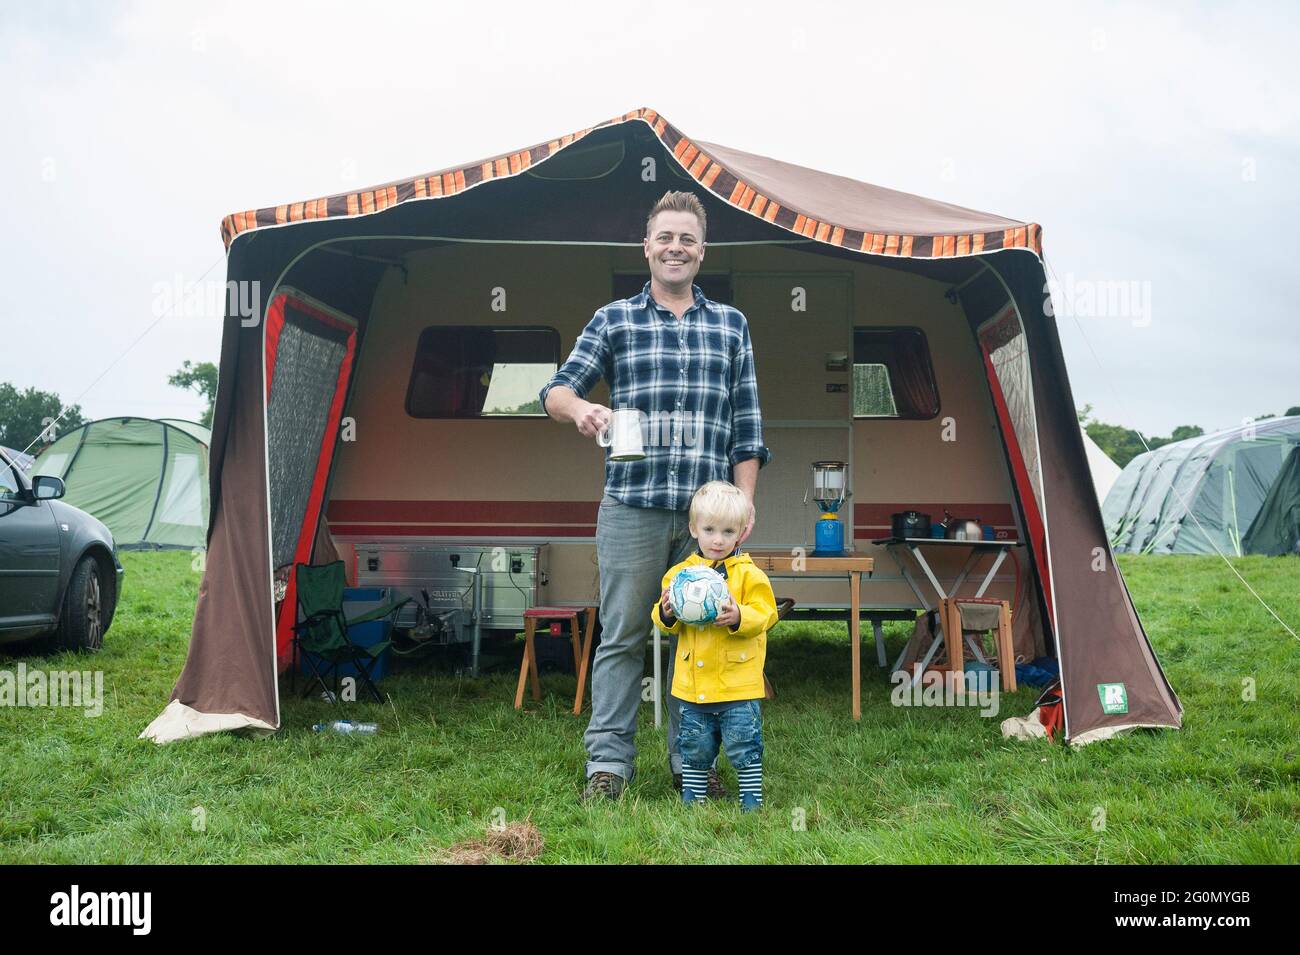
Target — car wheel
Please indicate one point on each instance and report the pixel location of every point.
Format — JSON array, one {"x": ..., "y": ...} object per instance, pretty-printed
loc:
[{"x": 82, "y": 626}]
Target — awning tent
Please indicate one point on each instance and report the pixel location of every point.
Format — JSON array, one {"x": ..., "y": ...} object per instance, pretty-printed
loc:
[
  {"x": 285, "y": 377},
  {"x": 146, "y": 479},
  {"x": 1200, "y": 495}
]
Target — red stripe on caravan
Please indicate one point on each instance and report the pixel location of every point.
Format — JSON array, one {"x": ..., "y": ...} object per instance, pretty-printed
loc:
[
  {"x": 500, "y": 512},
  {"x": 462, "y": 530}
]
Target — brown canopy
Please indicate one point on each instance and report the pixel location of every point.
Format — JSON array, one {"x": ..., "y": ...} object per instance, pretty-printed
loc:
[{"x": 230, "y": 678}]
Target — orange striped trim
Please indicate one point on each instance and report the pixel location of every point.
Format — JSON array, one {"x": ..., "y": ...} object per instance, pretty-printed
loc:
[{"x": 697, "y": 163}]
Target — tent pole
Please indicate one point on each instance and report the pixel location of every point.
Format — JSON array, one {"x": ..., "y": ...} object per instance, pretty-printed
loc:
[{"x": 162, "y": 479}]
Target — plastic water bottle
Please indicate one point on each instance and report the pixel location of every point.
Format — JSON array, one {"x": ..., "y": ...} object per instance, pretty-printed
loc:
[{"x": 347, "y": 727}]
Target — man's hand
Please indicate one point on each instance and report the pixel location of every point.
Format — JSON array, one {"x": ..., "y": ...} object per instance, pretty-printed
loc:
[
  {"x": 745, "y": 476},
  {"x": 749, "y": 527},
  {"x": 591, "y": 419},
  {"x": 729, "y": 615},
  {"x": 563, "y": 405}
]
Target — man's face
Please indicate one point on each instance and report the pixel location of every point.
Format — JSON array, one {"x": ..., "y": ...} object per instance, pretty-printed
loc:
[{"x": 674, "y": 249}]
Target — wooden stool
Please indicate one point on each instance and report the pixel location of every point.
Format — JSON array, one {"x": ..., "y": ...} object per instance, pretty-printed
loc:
[
  {"x": 951, "y": 616},
  {"x": 581, "y": 648}
]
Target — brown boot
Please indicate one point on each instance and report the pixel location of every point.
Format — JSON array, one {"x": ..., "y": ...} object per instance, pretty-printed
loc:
[{"x": 604, "y": 785}]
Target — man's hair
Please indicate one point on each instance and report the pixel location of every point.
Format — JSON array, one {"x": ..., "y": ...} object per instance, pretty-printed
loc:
[
  {"x": 723, "y": 502},
  {"x": 679, "y": 202}
]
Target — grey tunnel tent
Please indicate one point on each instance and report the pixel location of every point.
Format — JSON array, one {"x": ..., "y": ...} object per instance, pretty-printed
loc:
[
  {"x": 146, "y": 479},
  {"x": 1200, "y": 495},
  {"x": 351, "y": 284}
]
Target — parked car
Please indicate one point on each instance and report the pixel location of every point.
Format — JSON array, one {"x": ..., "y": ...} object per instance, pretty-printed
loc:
[{"x": 59, "y": 570}]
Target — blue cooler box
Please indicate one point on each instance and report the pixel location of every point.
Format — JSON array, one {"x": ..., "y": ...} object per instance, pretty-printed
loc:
[{"x": 357, "y": 601}]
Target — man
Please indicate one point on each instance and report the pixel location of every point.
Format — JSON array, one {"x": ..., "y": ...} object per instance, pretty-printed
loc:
[{"x": 679, "y": 358}]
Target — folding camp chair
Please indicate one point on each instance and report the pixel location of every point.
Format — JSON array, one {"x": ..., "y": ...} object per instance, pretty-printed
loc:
[{"x": 321, "y": 637}]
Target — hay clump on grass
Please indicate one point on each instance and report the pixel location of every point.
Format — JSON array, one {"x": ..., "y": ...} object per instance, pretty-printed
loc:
[{"x": 514, "y": 842}]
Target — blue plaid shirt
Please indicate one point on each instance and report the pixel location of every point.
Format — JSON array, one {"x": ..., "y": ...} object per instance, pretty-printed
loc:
[{"x": 694, "y": 380}]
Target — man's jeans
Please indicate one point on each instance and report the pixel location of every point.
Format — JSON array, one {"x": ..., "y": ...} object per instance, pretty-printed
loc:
[{"x": 635, "y": 546}]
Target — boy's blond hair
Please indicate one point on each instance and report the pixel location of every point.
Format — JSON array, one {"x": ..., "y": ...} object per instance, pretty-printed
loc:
[
  {"x": 722, "y": 501},
  {"x": 679, "y": 202}
]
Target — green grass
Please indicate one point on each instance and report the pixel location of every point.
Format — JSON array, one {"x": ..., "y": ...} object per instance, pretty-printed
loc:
[{"x": 904, "y": 785}]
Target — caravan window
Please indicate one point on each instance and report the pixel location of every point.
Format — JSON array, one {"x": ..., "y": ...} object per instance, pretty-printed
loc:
[
  {"x": 892, "y": 374},
  {"x": 472, "y": 371}
]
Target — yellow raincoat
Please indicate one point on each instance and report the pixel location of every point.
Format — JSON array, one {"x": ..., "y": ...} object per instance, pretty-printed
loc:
[{"x": 717, "y": 664}]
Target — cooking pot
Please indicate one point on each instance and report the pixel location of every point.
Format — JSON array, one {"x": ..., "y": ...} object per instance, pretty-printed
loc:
[
  {"x": 909, "y": 524},
  {"x": 962, "y": 528}
]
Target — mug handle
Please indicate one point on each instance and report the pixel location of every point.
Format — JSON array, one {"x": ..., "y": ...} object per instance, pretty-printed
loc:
[{"x": 604, "y": 438}]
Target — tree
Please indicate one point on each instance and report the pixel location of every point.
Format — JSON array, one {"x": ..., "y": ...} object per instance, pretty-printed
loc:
[
  {"x": 1185, "y": 431},
  {"x": 1121, "y": 444},
  {"x": 31, "y": 418},
  {"x": 201, "y": 378},
  {"x": 1290, "y": 411}
]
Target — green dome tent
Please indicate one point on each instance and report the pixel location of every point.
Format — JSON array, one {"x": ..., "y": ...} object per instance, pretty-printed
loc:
[
  {"x": 1199, "y": 496},
  {"x": 146, "y": 480},
  {"x": 1276, "y": 530}
]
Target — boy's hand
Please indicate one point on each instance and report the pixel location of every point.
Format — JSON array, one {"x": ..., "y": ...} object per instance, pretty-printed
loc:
[
  {"x": 666, "y": 607},
  {"x": 729, "y": 615}
]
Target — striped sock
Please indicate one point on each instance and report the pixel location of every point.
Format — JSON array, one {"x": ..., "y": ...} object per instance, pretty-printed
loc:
[
  {"x": 695, "y": 784},
  {"x": 751, "y": 783}
]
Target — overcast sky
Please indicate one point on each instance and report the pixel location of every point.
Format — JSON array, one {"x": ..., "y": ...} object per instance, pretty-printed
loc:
[{"x": 1158, "y": 148}]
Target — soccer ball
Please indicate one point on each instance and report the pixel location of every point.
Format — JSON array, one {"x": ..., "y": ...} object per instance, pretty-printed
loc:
[{"x": 697, "y": 594}]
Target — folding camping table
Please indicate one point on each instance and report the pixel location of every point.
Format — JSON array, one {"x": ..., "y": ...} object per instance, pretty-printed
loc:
[{"x": 894, "y": 546}]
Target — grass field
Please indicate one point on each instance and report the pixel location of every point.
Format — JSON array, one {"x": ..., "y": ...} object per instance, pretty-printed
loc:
[{"x": 904, "y": 785}]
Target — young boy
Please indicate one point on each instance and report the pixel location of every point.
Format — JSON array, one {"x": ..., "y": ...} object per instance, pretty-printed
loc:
[{"x": 718, "y": 674}]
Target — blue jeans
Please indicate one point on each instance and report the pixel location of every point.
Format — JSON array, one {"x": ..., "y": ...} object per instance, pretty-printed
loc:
[
  {"x": 635, "y": 546},
  {"x": 735, "y": 727}
]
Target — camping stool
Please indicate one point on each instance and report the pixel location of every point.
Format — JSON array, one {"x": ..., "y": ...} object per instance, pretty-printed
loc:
[
  {"x": 555, "y": 617},
  {"x": 979, "y": 615}
]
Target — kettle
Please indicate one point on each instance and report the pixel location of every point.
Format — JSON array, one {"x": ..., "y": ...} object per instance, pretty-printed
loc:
[{"x": 961, "y": 528}]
